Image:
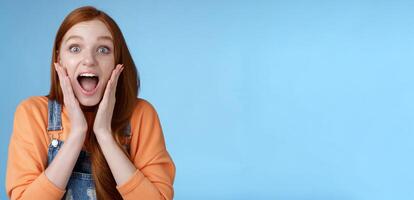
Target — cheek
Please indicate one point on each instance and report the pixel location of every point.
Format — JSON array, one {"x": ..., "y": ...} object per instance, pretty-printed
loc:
[
  {"x": 70, "y": 68},
  {"x": 107, "y": 76},
  {"x": 106, "y": 70},
  {"x": 107, "y": 65},
  {"x": 70, "y": 63}
]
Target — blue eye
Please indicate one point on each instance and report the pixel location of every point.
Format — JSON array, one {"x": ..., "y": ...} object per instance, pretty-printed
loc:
[
  {"x": 104, "y": 50},
  {"x": 74, "y": 49}
]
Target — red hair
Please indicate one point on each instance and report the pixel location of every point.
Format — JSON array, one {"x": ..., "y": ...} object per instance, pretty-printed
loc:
[{"x": 126, "y": 94}]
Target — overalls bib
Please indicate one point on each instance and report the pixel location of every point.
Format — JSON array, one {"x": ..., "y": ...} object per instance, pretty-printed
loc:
[{"x": 81, "y": 185}]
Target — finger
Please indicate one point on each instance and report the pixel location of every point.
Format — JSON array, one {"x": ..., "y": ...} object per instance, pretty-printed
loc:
[
  {"x": 63, "y": 81},
  {"x": 61, "y": 78},
  {"x": 66, "y": 83},
  {"x": 119, "y": 69},
  {"x": 111, "y": 82},
  {"x": 69, "y": 89},
  {"x": 107, "y": 91},
  {"x": 57, "y": 68}
]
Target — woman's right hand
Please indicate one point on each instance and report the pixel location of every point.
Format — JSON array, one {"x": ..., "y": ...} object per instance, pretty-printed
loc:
[{"x": 76, "y": 116}]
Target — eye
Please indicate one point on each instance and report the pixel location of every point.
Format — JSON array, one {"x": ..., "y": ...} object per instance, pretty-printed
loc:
[
  {"x": 74, "y": 49},
  {"x": 103, "y": 50}
]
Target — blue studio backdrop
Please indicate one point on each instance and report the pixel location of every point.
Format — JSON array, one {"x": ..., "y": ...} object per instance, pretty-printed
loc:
[{"x": 295, "y": 100}]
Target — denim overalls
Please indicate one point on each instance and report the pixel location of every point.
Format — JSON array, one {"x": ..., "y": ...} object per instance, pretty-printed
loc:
[{"x": 81, "y": 185}]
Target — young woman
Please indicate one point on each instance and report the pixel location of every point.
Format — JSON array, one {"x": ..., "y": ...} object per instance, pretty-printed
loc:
[{"x": 91, "y": 137}]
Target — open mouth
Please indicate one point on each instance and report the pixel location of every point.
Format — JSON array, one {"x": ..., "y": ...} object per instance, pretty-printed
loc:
[{"x": 88, "y": 81}]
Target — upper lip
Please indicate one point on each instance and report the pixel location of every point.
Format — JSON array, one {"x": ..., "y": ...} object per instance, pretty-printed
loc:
[{"x": 87, "y": 72}]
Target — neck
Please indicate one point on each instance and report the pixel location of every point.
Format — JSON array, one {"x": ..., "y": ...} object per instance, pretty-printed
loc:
[{"x": 89, "y": 108}]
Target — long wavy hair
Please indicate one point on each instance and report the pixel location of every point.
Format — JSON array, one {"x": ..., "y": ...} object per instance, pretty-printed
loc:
[{"x": 126, "y": 94}]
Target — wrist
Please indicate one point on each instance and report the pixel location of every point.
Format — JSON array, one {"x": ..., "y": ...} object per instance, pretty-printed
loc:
[
  {"x": 79, "y": 130},
  {"x": 76, "y": 138},
  {"x": 104, "y": 137}
]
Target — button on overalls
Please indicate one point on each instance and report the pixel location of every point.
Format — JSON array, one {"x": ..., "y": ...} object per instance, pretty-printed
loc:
[{"x": 81, "y": 185}]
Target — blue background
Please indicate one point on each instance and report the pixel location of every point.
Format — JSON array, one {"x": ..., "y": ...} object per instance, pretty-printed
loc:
[{"x": 296, "y": 100}]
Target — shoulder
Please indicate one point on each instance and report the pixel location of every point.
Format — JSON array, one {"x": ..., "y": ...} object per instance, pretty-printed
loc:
[
  {"x": 143, "y": 107},
  {"x": 30, "y": 118},
  {"x": 35, "y": 103},
  {"x": 146, "y": 129},
  {"x": 35, "y": 106},
  {"x": 144, "y": 115}
]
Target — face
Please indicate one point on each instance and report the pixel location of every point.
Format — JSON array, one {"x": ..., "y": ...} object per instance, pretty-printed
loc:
[{"x": 86, "y": 51}]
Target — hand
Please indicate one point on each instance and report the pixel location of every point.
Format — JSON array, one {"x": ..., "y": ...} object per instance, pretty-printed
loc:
[
  {"x": 77, "y": 119},
  {"x": 103, "y": 119}
]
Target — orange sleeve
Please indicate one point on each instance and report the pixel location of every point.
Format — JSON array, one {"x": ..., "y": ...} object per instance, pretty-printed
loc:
[
  {"x": 25, "y": 178},
  {"x": 155, "y": 173}
]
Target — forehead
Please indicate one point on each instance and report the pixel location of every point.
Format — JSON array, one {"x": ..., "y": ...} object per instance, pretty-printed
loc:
[{"x": 89, "y": 30}]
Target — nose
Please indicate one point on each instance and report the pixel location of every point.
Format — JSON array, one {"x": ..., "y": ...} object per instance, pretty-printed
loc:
[{"x": 88, "y": 58}]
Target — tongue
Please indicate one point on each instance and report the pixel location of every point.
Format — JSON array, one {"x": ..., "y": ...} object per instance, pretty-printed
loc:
[{"x": 88, "y": 84}]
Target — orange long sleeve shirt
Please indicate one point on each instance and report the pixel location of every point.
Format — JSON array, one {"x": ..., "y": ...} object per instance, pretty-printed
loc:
[{"x": 28, "y": 149}]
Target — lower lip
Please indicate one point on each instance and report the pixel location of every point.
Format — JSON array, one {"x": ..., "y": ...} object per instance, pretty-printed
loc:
[{"x": 88, "y": 93}]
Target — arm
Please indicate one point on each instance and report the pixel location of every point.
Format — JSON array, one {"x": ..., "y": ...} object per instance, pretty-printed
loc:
[
  {"x": 59, "y": 171},
  {"x": 26, "y": 174},
  {"x": 121, "y": 167},
  {"x": 151, "y": 173},
  {"x": 27, "y": 157}
]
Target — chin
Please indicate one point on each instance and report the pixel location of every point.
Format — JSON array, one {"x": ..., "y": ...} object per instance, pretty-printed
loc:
[{"x": 89, "y": 101}]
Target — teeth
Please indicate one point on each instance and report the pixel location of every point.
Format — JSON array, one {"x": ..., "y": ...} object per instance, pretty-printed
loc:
[{"x": 88, "y": 75}]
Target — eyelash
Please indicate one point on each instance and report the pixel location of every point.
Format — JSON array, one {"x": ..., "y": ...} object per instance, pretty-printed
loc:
[{"x": 72, "y": 46}]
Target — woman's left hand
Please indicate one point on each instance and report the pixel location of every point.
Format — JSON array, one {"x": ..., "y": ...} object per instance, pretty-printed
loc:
[{"x": 103, "y": 119}]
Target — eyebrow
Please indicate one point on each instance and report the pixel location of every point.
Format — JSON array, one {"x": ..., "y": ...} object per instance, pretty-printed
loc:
[{"x": 79, "y": 37}]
